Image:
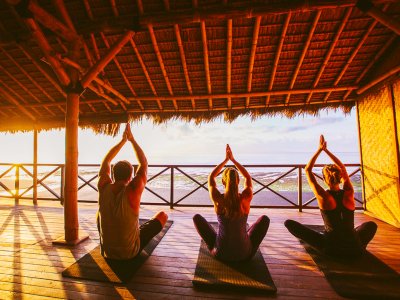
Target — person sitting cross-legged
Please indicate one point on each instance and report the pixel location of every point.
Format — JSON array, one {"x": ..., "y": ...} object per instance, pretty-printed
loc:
[
  {"x": 337, "y": 206},
  {"x": 233, "y": 241},
  {"x": 121, "y": 237}
]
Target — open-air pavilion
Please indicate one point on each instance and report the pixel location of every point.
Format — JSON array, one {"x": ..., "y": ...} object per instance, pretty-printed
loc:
[{"x": 100, "y": 63}]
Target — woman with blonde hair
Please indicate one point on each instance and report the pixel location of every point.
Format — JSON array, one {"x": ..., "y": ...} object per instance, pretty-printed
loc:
[
  {"x": 233, "y": 241},
  {"x": 337, "y": 207}
]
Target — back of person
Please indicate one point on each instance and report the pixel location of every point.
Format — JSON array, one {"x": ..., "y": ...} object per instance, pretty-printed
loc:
[
  {"x": 118, "y": 225},
  {"x": 341, "y": 237},
  {"x": 232, "y": 242}
]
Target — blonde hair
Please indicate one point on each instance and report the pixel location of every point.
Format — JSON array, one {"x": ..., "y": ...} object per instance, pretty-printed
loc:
[
  {"x": 332, "y": 174},
  {"x": 231, "y": 206}
]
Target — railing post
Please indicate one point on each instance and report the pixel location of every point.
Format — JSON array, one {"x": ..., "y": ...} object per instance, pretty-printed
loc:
[
  {"x": 171, "y": 199},
  {"x": 300, "y": 189},
  {"x": 62, "y": 185},
  {"x": 16, "y": 195},
  {"x": 35, "y": 156}
]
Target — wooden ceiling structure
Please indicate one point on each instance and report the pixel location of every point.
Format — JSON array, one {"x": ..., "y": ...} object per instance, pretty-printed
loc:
[{"x": 187, "y": 59}]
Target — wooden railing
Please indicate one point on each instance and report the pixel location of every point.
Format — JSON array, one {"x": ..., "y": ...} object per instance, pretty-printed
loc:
[{"x": 278, "y": 186}]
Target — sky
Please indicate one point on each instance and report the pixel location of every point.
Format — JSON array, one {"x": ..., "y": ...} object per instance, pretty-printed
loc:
[{"x": 267, "y": 140}]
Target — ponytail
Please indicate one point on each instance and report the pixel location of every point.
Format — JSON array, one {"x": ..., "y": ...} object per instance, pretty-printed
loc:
[{"x": 231, "y": 207}]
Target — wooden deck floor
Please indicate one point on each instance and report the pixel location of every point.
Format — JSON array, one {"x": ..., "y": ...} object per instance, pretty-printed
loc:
[{"x": 31, "y": 267}]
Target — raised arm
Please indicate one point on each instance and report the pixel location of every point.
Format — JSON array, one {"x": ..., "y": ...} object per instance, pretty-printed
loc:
[
  {"x": 140, "y": 179},
  {"x": 247, "y": 192},
  {"x": 215, "y": 195},
  {"x": 105, "y": 168},
  {"x": 318, "y": 190}
]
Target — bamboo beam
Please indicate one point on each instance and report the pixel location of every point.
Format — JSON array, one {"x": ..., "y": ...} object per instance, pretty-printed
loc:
[
  {"x": 183, "y": 61},
  {"x": 35, "y": 160},
  {"x": 250, "y": 10},
  {"x": 114, "y": 7},
  {"x": 278, "y": 54},
  {"x": 377, "y": 80},
  {"x": 121, "y": 70},
  {"x": 331, "y": 48},
  {"x": 88, "y": 9},
  {"x": 206, "y": 96},
  {"x": 11, "y": 99},
  {"x": 43, "y": 71},
  {"x": 100, "y": 65},
  {"x": 99, "y": 81},
  {"x": 229, "y": 61},
  {"x": 162, "y": 66},
  {"x": 372, "y": 62},
  {"x": 45, "y": 18},
  {"x": 35, "y": 83},
  {"x": 144, "y": 68},
  {"x": 47, "y": 50},
  {"x": 353, "y": 54},
  {"x": 368, "y": 7},
  {"x": 206, "y": 62},
  {"x": 304, "y": 52},
  {"x": 254, "y": 41},
  {"x": 23, "y": 87}
]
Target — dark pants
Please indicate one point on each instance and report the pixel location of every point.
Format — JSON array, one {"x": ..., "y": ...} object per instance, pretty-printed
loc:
[
  {"x": 365, "y": 232},
  {"x": 256, "y": 232},
  {"x": 148, "y": 230}
]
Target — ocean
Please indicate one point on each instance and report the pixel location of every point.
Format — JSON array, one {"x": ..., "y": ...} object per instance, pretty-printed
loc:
[{"x": 272, "y": 186}]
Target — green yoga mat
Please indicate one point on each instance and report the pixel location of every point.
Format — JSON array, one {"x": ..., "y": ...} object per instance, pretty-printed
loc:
[
  {"x": 365, "y": 277},
  {"x": 250, "y": 275},
  {"x": 93, "y": 266}
]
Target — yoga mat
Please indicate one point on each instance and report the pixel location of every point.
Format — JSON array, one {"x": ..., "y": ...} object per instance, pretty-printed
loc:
[
  {"x": 249, "y": 275},
  {"x": 93, "y": 266},
  {"x": 365, "y": 277}
]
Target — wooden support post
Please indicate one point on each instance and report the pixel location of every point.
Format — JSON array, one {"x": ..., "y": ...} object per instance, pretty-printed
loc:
[
  {"x": 16, "y": 185},
  {"x": 171, "y": 199},
  {"x": 71, "y": 169},
  {"x": 300, "y": 189},
  {"x": 35, "y": 154}
]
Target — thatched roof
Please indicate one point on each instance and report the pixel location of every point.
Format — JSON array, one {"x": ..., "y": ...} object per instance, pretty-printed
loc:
[{"x": 195, "y": 60}]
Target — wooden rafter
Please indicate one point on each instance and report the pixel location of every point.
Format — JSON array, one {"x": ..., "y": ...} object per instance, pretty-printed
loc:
[
  {"x": 372, "y": 62},
  {"x": 254, "y": 41},
  {"x": 206, "y": 63},
  {"x": 48, "y": 50},
  {"x": 99, "y": 81},
  {"x": 114, "y": 7},
  {"x": 100, "y": 65},
  {"x": 236, "y": 107},
  {"x": 184, "y": 64},
  {"x": 116, "y": 14},
  {"x": 22, "y": 100},
  {"x": 31, "y": 79},
  {"x": 368, "y": 7},
  {"x": 162, "y": 66},
  {"x": 144, "y": 68},
  {"x": 330, "y": 51},
  {"x": 11, "y": 99},
  {"x": 182, "y": 55},
  {"x": 278, "y": 54},
  {"x": 354, "y": 53},
  {"x": 215, "y": 96},
  {"x": 159, "y": 58},
  {"x": 121, "y": 70},
  {"x": 375, "y": 81},
  {"x": 229, "y": 61},
  {"x": 304, "y": 52}
]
